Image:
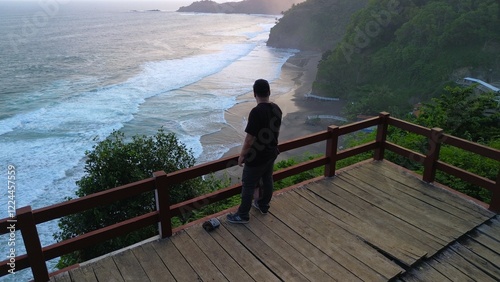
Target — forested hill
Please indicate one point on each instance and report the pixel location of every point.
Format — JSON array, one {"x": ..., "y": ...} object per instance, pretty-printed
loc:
[
  {"x": 399, "y": 52},
  {"x": 272, "y": 7},
  {"x": 314, "y": 25}
]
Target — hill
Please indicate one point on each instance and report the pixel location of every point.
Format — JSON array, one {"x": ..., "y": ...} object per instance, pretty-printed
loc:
[
  {"x": 394, "y": 53},
  {"x": 314, "y": 25},
  {"x": 272, "y": 7}
]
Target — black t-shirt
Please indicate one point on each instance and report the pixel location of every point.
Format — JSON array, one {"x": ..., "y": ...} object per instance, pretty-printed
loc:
[{"x": 264, "y": 123}]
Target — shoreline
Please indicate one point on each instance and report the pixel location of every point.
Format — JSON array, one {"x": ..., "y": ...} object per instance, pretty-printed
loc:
[{"x": 300, "y": 71}]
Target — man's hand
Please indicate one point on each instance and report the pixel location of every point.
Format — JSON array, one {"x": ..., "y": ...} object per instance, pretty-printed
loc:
[{"x": 247, "y": 144}]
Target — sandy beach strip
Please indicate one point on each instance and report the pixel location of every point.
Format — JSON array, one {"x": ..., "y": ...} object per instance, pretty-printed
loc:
[{"x": 299, "y": 71}]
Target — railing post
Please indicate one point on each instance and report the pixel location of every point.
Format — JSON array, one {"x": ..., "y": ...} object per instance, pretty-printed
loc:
[
  {"x": 432, "y": 155},
  {"x": 495, "y": 196},
  {"x": 32, "y": 243},
  {"x": 331, "y": 150},
  {"x": 162, "y": 195},
  {"x": 381, "y": 136}
]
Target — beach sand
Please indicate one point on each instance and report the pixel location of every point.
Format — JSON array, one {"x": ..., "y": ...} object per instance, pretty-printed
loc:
[{"x": 299, "y": 71}]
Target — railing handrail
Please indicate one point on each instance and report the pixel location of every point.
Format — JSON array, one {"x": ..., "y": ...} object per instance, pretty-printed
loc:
[{"x": 160, "y": 182}]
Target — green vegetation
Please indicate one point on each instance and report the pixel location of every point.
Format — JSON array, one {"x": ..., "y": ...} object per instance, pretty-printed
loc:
[
  {"x": 411, "y": 50},
  {"x": 303, "y": 176},
  {"x": 314, "y": 24},
  {"x": 391, "y": 54},
  {"x": 460, "y": 112}
]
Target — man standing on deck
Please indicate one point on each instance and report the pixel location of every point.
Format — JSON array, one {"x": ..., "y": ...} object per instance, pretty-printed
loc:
[{"x": 259, "y": 152}]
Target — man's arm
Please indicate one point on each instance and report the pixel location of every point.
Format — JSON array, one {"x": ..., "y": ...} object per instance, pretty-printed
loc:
[{"x": 247, "y": 144}]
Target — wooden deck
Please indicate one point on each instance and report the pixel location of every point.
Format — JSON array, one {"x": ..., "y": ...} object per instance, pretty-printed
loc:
[{"x": 373, "y": 222}]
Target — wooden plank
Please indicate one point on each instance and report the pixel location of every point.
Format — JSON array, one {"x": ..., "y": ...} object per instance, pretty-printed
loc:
[
  {"x": 298, "y": 261},
  {"x": 495, "y": 223},
  {"x": 61, "y": 277},
  {"x": 491, "y": 253},
  {"x": 448, "y": 270},
  {"x": 417, "y": 216},
  {"x": 394, "y": 188},
  {"x": 425, "y": 273},
  {"x": 105, "y": 269},
  {"x": 491, "y": 229},
  {"x": 439, "y": 219},
  {"x": 361, "y": 219},
  {"x": 299, "y": 241},
  {"x": 222, "y": 260},
  {"x": 341, "y": 246},
  {"x": 338, "y": 192},
  {"x": 175, "y": 262},
  {"x": 403, "y": 176},
  {"x": 152, "y": 264},
  {"x": 84, "y": 273},
  {"x": 264, "y": 253},
  {"x": 371, "y": 224},
  {"x": 487, "y": 241},
  {"x": 240, "y": 253},
  {"x": 404, "y": 206},
  {"x": 206, "y": 270},
  {"x": 464, "y": 266},
  {"x": 477, "y": 260},
  {"x": 331, "y": 226},
  {"x": 129, "y": 267},
  {"x": 413, "y": 181}
]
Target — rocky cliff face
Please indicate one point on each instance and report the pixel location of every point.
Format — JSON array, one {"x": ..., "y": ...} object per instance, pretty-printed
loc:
[{"x": 272, "y": 7}]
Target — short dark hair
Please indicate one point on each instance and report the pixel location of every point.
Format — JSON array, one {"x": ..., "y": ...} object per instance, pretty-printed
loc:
[{"x": 261, "y": 88}]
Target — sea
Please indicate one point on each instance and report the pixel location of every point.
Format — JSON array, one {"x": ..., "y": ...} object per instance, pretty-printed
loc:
[{"x": 73, "y": 72}]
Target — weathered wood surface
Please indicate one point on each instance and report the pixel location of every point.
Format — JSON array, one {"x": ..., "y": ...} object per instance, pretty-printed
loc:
[
  {"x": 474, "y": 257},
  {"x": 374, "y": 222}
]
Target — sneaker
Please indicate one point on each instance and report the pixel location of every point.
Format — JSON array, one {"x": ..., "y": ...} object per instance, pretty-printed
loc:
[
  {"x": 235, "y": 218},
  {"x": 255, "y": 204}
]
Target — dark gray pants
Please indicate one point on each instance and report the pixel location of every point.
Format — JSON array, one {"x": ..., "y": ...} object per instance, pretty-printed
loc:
[{"x": 250, "y": 178}]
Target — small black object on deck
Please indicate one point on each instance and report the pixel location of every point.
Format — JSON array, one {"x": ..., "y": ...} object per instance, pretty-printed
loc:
[{"x": 211, "y": 224}]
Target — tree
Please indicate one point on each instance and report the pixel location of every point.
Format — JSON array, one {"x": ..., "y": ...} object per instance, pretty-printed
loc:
[
  {"x": 371, "y": 100},
  {"x": 112, "y": 163},
  {"x": 462, "y": 113}
]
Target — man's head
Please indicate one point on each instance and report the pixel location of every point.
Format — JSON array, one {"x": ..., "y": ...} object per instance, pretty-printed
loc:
[{"x": 261, "y": 88}]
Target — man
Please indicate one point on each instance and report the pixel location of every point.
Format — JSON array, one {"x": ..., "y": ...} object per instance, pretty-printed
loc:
[{"x": 259, "y": 151}]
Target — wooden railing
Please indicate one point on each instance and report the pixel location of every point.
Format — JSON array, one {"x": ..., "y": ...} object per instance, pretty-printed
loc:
[{"x": 36, "y": 255}]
